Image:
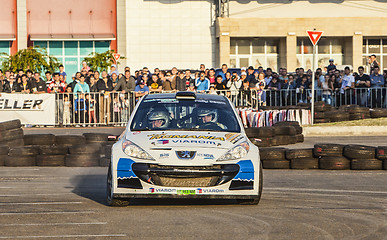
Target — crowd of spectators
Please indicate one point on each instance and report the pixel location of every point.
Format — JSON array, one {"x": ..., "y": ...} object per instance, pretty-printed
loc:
[{"x": 332, "y": 86}]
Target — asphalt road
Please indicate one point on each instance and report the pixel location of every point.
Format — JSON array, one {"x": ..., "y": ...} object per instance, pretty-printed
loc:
[{"x": 68, "y": 203}]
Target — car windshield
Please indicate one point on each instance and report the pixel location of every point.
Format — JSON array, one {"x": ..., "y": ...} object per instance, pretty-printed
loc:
[{"x": 192, "y": 115}]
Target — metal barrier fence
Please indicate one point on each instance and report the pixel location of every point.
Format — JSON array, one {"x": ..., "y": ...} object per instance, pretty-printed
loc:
[{"x": 96, "y": 109}]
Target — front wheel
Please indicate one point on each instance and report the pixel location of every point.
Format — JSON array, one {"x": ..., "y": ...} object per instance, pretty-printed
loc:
[{"x": 111, "y": 201}]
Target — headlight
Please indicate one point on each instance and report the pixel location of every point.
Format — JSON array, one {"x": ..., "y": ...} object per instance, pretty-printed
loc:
[
  {"x": 236, "y": 152},
  {"x": 133, "y": 150}
]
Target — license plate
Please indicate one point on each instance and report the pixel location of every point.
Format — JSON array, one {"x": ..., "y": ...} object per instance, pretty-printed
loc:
[{"x": 186, "y": 192}]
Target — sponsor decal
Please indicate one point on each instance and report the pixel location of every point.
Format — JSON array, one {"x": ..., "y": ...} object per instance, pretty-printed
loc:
[
  {"x": 186, "y": 155},
  {"x": 186, "y": 192},
  {"x": 162, "y": 190},
  {"x": 206, "y": 155},
  {"x": 137, "y": 132},
  {"x": 28, "y": 104},
  {"x": 160, "y": 142},
  {"x": 212, "y": 190},
  {"x": 166, "y": 136},
  {"x": 194, "y": 141},
  {"x": 233, "y": 137},
  {"x": 164, "y": 155}
]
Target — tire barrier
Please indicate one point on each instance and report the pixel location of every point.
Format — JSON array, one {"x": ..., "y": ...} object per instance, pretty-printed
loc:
[{"x": 327, "y": 157}]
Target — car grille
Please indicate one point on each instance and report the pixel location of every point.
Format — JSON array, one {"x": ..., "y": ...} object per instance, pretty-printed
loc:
[{"x": 177, "y": 176}]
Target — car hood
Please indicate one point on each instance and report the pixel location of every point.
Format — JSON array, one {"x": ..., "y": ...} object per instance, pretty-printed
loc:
[{"x": 185, "y": 147}]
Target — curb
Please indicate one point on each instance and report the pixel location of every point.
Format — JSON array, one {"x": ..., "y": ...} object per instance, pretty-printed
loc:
[{"x": 345, "y": 131}]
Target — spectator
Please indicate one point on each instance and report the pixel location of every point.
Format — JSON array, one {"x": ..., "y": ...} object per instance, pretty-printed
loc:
[
  {"x": 191, "y": 87},
  {"x": 25, "y": 85},
  {"x": 93, "y": 84},
  {"x": 202, "y": 83},
  {"x": 243, "y": 70},
  {"x": 10, "y": 86},
  {"x": 169, "y": 84},
  {"x": 125, "y": 104},
  {"x": 274, "y": 87},
  {"x": 261, "y": 94},
  {"x": 224, "y": 71},
  {"x": 181, "y": 82},
  {"x": 318, "y": 79},
  {"x": 85, "y": 66},
  {"x": 48, "y": 78},
  {"x": 220, "y": 84},
  {"x": 56, "y": 86},
  {"x": 19, "y": 75},
  {"x": 245, "y": 91},
  {"x": 212, "y": 90},
  {"x": 289, "y": 95},
  {"x": 347, "y": 84},
  {"x": 299, "y": 75},
  {"x": 126, "y": 84},
  {"x": 81, "y": 87},
  {"x": 234, "y": 85},
  {"x": 228, "y": 79},
  {"x": 373, "y": 63},
  {"x": 141, "y": 89},
  {"x": 116, "y": 109},
  {"x": 37, "y": 84},
  {"x": 91, "y": 106},
  {"x": 202, "y": 67},
  {"x": 260, "y": 70},
  {"x": 268, "y": 76},
  {"x": 250, "y": 76},
  {"x": 75, "y": 81},
  {"x": 105, "y": 84},
  {"x": 363, "y": 82},
  {"x": 211, "y": 76},
  {"x": 377, "y": 83},
  {"x": 29, "y": 75},
  {"x": 63, "y": 73},
  {"x": 301, "y": 89},
  {"x": 156, "y": 71},
  {"x": 187, "y": 78},
  {"x": 66, "y": 110},
  {"x": 331, "y": 65},
  {"x": 155, "y": 84},
  {"x": 283, "y": 77},
  {"x": 96, "y": 76},
  {"x": 114, "y": 77},
  {"x": 80, "y": 110},
  {"x": 327, "y": 87}
]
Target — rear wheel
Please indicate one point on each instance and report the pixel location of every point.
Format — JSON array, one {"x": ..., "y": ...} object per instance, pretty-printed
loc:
[
  {"x": 114, "y": 202},
  {"x": 255, "y": 200}
]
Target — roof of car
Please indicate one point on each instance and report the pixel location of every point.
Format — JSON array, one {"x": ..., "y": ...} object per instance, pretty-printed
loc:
[{"x": 199, "y": 96}]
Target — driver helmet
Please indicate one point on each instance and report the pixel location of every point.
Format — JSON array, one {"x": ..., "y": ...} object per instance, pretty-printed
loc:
[
  {"x": 159, "y": 115},
  {"x": 205, "y": 112}
]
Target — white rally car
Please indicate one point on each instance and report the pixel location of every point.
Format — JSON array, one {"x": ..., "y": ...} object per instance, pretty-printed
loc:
[{"x": 184, "y": 145}]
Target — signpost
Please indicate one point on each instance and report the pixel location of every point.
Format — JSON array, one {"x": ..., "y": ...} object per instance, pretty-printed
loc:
[
  {"x": 314, "y": 36},
  {"x": 116, "y": 56}
]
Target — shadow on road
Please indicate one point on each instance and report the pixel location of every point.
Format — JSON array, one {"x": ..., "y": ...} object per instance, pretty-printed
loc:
[{"x": 93, "y": 187}]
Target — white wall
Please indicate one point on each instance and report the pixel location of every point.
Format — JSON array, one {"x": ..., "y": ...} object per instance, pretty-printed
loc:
[
  {"x": 168, "y": 33},
  {"x": 307, "y": 8}
]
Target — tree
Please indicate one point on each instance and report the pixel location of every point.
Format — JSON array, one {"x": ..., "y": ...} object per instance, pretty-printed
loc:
[
  {"x": 34, "y": 58},
  {"x": 101, "y": 61}
]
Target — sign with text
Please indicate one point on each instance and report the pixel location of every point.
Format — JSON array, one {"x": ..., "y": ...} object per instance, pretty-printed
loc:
[
  {"x": 35, "y": 109},
  {"x": 314, "y": 36}
]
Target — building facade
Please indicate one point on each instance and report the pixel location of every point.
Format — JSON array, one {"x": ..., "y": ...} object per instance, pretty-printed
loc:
[{"x": 187, "y": 33}]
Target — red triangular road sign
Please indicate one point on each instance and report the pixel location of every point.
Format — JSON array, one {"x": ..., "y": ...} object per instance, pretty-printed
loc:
[
  {"x": 116, "y": 56},
  {"x": 314, "y": 36}
]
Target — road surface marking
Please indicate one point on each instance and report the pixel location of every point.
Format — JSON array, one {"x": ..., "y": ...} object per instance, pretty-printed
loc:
[
  {"x": 51, "y": 224},
  {"x": 66, "y": 236},
  {"x": 324, "y": 190},
  {"x": 40, "y": 203},
  {"x": 42, "y": 213}
]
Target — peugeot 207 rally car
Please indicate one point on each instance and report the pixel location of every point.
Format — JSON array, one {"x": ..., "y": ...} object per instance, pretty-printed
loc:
[{"x": 184, "y": 145}]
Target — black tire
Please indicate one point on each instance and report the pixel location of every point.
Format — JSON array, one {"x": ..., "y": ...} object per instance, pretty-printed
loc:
[
  {"x": 300, "y": 138},
  {"x": 53, "y": 150},
  {"x": 20, "y": 161},
  {"x": 89, "y": 160},
  {"x": 319, "y": 115},
  {"x": 378, "y": 113},
  {"x": 2, "y": 159},
  {"x": 319, "y": 106},
  {"x": 252, "y": 132},
  {"x": 96, "y": 137},
  {"x": 276, "y": 164},
  {"x": 85, "y": 149},
  {"x": 272, "y": 153},
  {"x": 299, "y": 153},
  {"x": 304, "y": 163},
  {"x": 334, "y": 163},
  {"x": 359, "y": 116},
  {"x": 281, "y": 130},
  {"x": 259, "y": 142},
  {"x": 265, "y": 132},
  {"x": 23, "y": 151},
  {"x": 381, "y": 152},
  {"x": 292, "y": 139},
  {"x": 12, "y": 124},
  {"x": 337, "y": 116},
  {"x": 12, "y": 134},
  {"x": 282, "y": 139},
  {"x": 4, "y": 149},
  {"x": 384, "y": 164},
  {"x": 357, "y": 109},
  {"x": 255, "y": 200},
  {"x": 323, "y": 120},
  {"x": 328, "y": 150},
  {"x": 39, "y": 139},
  {"x": 50, "y": 160},
  {"x": 70, "y": 140},
  {"x": 359, "y": 152},
  {"x": 366, "y": 164},
  {"x": 274, "y": 141},
  {"x": 294, "y": 124},
  {"x": 111, "y": 201},
  {"x": 14, "y": 143}
]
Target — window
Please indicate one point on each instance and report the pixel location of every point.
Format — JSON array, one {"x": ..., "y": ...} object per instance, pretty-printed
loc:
[
  {"x": 4, "y": 48},
  {"x": 245, "y": 52},
  {"x": 326, "y": 49},
  {"x": 71, "y": 53},
  {"x": 377, "y": 46}
]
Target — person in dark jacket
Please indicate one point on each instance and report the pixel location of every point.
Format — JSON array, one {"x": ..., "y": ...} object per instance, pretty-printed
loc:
[
  {"x": 10, "y": 86},
  {"x": 126, "y": 84}
]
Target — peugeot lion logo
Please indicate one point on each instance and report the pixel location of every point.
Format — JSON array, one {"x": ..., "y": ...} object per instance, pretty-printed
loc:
[{"x": 187, "y": 155}]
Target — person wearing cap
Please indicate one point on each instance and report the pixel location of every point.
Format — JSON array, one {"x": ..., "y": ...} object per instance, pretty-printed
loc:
[
  {"x": 85, "y": 66},
  {"x": 331, "y": 65},
  {"x": 141, "y": 89},
  {"x": 261, "y": 94},
  {"x": 250, "y": 76},
  {"x": 243, "y": 69},
  {"x": 113, "y": 69}
]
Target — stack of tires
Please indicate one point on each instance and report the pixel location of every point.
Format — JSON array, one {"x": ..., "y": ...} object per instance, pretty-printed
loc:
[
  {"x": 274, "y": 158},
  {"x": 260, "y": 136},
  {"x": 381, "y": 154},
  {"x": 21, "y": 156},
  {"x": 50, "y": 154},
  {"x": 378, "y": 112},
  {"x": 319, "y": 112},
  {"x": 301, "y": 158},
  {"x": 331, "y": 156},
  {"x": 337, "y": 116},
  {"x": 11, "y": 133},
  {"x": 102, "y": 139},
  {"x": 362, "y": 157},
  {"x": 4, "y": 149},
  {"x": 80, "y": 153},
  {"x": 357, "y": 113},
  {"x": 294, "y": 138}
]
